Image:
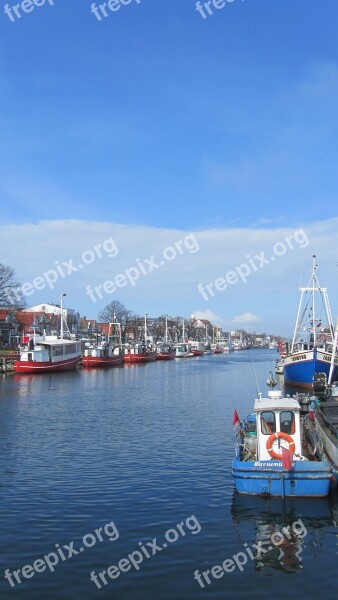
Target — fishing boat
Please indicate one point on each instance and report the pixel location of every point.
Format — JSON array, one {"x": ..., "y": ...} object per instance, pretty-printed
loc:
[
  {"x": 309, "y": 354},
  {"x": 183, "y": 350},
  {"x": 197, "y": 348},
  {"x": 165, "y": 351},
  {"x": 141, "y": 352},
  {"x": 271, "y": 459},
  {"x": 46, "y": 354},
  {"x": 229, "y": 347},
  {"x": 107, "y": 353}
]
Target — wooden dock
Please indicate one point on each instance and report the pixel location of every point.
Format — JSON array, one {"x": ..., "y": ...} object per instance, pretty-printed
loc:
[{"x": 7, "y": 361}]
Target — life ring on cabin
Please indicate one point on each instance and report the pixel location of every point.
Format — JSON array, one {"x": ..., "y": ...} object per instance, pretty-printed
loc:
[{"x": 279, "y": 436}]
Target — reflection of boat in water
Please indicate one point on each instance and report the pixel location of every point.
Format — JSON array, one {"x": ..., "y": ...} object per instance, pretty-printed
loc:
[{"x": 281, "y": 530}]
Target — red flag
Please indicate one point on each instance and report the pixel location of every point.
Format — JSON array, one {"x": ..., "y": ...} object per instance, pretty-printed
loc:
[
  {"x": 236, "y": 418},
  {"x": 287, "y": 458}
]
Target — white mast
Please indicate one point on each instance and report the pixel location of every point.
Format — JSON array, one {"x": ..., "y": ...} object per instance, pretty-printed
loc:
[
  {"x": 166, "y": 330},
  {"x": 61, "y": 305},
  {"x": 183, "y": 336},
  {"x": 145, "y": 328},
  {"x": 313, "y": 287}
]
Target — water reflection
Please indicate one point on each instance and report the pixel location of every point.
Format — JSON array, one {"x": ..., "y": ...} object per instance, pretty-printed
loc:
[{"x": 281, "y": 532}]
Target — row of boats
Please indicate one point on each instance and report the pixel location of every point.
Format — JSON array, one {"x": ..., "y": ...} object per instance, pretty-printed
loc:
[{"x": 42, "y": 354}]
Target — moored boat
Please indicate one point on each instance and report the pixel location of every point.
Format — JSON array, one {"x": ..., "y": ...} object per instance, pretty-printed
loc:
[
  {"x": 165, "y": 351},
  {"x": 197, "y": 348},
  {"x": 102, "y": 355},
  {"x": 107, "y": 353},
  {"x": 310, "y": 354},
  {"x": 141, "y": 352},
  {"x": 271, "y": 459},
  {"x": 46, "y": 354},
  {"x": 183, "y": 350}
]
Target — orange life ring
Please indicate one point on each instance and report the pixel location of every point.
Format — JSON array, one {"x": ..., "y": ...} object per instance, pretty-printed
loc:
[{"x": 276, "y": 436}]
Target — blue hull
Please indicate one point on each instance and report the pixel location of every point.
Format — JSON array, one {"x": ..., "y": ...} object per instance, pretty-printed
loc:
[
  {"x": 268, "y": 478},
  {"x": 302, "y": 372}
]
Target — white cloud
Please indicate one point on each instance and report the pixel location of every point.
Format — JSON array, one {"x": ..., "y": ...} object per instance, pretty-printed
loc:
[
  {"x": 246, "y": 317},
  {"x": 209, "y": 315},
  {"x": 172, "y": 287}
]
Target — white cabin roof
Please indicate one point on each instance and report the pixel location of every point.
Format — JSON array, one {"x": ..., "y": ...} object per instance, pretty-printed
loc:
[{"x": 279, "y": 403}]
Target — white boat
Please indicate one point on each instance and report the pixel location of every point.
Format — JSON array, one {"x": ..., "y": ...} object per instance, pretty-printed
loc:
[{"x": 46, "y": 354}]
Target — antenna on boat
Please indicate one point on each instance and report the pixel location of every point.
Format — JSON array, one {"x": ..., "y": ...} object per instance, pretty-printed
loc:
[{"x": 257, "y": 386}]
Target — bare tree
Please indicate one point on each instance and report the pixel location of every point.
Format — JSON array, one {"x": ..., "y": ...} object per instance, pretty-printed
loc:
[
  {"x": 10, "y": 292},
  {"x": 115, "y": 310}
]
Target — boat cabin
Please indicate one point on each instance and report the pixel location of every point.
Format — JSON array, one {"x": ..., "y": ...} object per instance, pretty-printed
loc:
[{"x": 278, "y": 426}]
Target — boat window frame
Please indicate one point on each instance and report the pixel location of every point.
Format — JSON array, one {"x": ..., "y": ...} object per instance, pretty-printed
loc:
[{"x": 266, "y": 427}]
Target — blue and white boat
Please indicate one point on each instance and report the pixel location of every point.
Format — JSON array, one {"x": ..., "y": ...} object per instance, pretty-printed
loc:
[
  {"x": 270, "y": 458},
  {"x": 311, "y": 348}
]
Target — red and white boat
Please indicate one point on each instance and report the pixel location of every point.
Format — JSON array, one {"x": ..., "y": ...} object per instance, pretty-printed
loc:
[
  {"x": 105, "y": 354},
  {"x": 45, "y": 354},
  {"x": 164, "y": 350},
  {"x": 141, "y": 352},
  {"x": 102, "y": 355},
  {"x": 197, "y": 348}
]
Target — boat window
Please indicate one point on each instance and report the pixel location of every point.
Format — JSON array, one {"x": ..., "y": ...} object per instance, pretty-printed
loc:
[
  {"x": 57, "y": 350},
  {"x": 287, "y": 422},
  {"x": 268, "y": 422}
]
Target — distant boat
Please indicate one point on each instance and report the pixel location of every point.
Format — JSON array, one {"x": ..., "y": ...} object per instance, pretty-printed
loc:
[
  {"x": 310, "y": 355},
  {"x": 46, "y": 354},
  {"x": 105, "y": 354},
  {"x": 165, "y": 351},
  {"x": 229, "y": 347},
  {"x": 197, "y": 348},
  {"x": 183, "y": 350},
  {"x": 279, "y": 369},
  {"x": 271, "y": 459},
  {"x": 271, "y": 381},
  {"x": 218, "y": 350},
  {"x": 141, "y": 352}
]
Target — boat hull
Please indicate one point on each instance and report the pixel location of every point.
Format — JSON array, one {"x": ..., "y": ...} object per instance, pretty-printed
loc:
[
  {"x": 166, "y": 355},
  {"x": 300, "y": 368},
  {"x": 140, "y": 358},
  {"x": 267, "y": 478},
  {"x": 102, "y": 361},
  {"x": 197, "y": 352},
  {"x": 21, "y": 366}
]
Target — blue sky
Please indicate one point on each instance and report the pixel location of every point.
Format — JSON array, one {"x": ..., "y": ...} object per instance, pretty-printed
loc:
[{"x": 158, "y": 118}]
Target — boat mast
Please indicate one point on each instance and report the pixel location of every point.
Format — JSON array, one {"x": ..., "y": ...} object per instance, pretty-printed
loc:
[
  {"x": 166, "y": 330},
  {"x": 61, "y": 305},
  {"x": 145, "y": 329},
  {"x": 314, "y": 281},
  {"x": 183, "y": 334},
  {"x": 297, "y": 326}
]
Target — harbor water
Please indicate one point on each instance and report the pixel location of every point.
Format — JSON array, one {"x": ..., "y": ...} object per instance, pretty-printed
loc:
[{"x": 134, "y": 463}]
